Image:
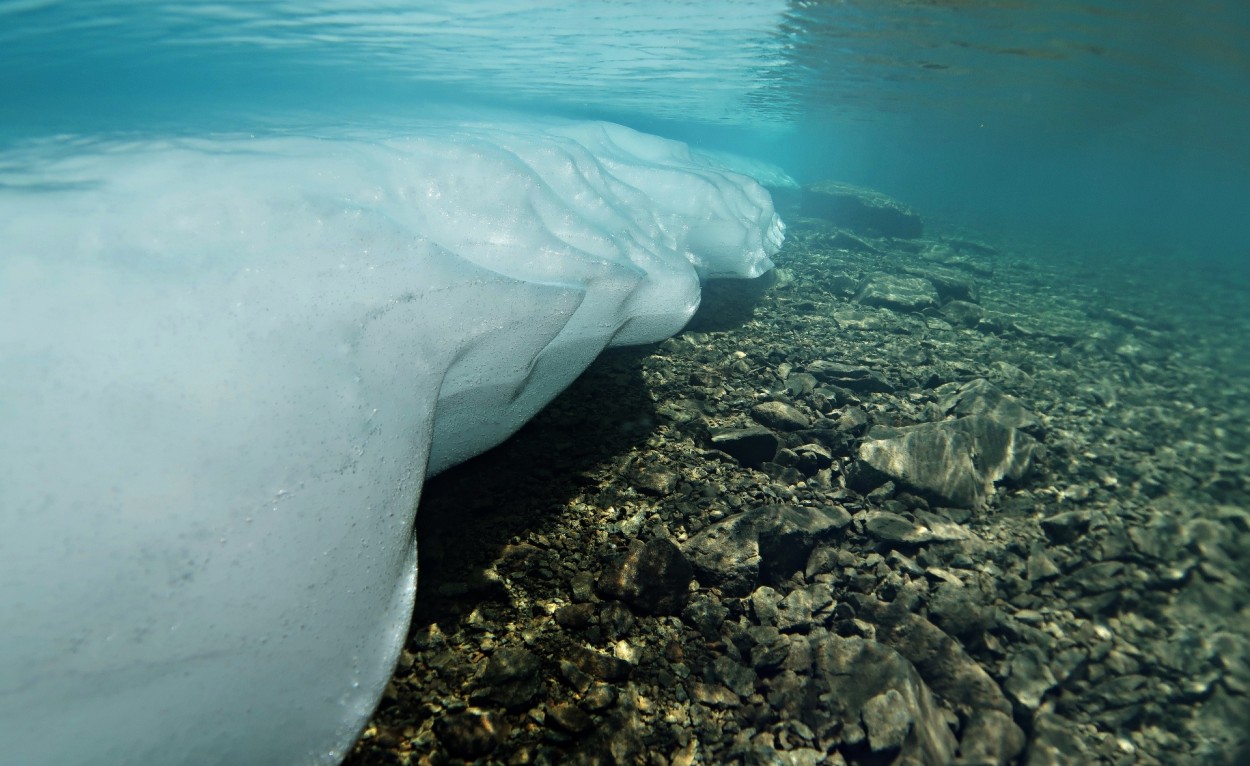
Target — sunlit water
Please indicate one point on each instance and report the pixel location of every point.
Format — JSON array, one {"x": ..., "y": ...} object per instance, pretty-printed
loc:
[{"x": 1119, "y": 118}]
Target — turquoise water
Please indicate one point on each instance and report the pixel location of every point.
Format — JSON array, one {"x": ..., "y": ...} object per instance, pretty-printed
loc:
[{"x": 1120, "y": 120}]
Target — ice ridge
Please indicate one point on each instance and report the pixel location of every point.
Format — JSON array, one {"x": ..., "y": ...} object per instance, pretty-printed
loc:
[{"x": 227, "y": 365}]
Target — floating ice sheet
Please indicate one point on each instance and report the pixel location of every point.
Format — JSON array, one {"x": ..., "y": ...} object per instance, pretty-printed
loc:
[{"x": 226, "y": 367}]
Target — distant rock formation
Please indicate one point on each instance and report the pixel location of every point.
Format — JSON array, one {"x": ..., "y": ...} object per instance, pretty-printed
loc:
[{"x": 863, "y": 211}]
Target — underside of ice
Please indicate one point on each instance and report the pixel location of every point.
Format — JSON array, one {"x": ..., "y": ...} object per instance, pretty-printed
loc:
[{"x": 227, "y": 366}]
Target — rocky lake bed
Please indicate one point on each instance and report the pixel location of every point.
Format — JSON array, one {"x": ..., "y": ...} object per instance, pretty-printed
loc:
[{"x": 911, "y": 498}]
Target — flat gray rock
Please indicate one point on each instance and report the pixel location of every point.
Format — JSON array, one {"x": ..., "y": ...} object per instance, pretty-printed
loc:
[
  {"x": 870, "y": 682},
  {"x": 974, "y": 258},
  {"x": 656, "y": 480},
  {"x": 950, "y": 284},
  {"x": 764, "y": 544},
  {"x": 981, "y": 397},
  {"x": 751, "y": 447},
  {"x": 893, "y": 528},
  {"x": 781, "y": 416},
  {"x": 955, "y": 461},
  {"x": 900, "y": 293},
  {"x": 963, "y": 313},
  {"x": 849, "y": 376},
  {"x": 1029, "y": 678}
]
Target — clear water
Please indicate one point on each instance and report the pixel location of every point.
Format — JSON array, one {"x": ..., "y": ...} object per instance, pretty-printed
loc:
[
  {"x": 1116, "y": 119},
  {"x": 1087, "y": 127}
]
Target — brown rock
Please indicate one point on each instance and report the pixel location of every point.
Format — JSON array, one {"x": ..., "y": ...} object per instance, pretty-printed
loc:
[
  {"x": 470, "y": 734},
  {"x": 652, "y": 577}
]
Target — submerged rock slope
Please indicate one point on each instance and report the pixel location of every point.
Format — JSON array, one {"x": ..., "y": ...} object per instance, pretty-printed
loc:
[{"x": 1086, "y": 606}]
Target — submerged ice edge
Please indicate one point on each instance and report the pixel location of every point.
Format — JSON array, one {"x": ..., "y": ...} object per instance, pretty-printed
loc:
[{"x": 227, "y": 366}]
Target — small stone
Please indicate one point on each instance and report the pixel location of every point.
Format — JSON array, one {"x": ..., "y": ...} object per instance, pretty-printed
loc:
[
  {"x": 813, "y": 458},
  {"x": 714, "y": 695},
  {"x": 751, "y": 447},
  {"x": 851, "y": 420},
  {"x": 1098, "y": 578},
  {"x": 577, "y": 680},
  {"x": 821, "y": 561},
  {"x": 427, "y": 638},
  {"x": 955, "y": 462},
  {"x": 786, "y": 693},
  {"x": 583, "y": 586},
  {"x": 615, "y": 619},
  {"x": 794, "y": 612},
  {"x": 990, "y": 736},
  {"x": 959, "y": 611},
  {"x": 769, "y": 648},
  {"x": 963, "y": 313},
  {"x": 655, "y": 480},
  {"x": 601, "y": 696},
  {"x": 851, "y": 377},
  {"x": 1055, "y": 740},
  {"x": 953, "y": 672},
  {"x": 470, "y": 734},
  {"x": 764, "y": 544},
  {"x": 1041, "y": 566},
  {"x": 511, "y": 678},
  {"x": 800, "y": 383},
  {"x": 1066, "y": 527},
  {"x": 949, "y": 285},
  {"x": 1030, "y": 677},
  {"x": 600, "y": 665},
  {"x": 888, "y": 721},
  {"x": 569, "y": 718},
  {"x": 652, "y": 577},
  {"x": 872, "y": 683},
  {"x": 780, "y": 416},
  {"x": 764, "y": 605},
  {"x": 892, "y": 528},
  {"x": 574, "y": 616},
  {"x": 980, "y": 397},
  {"x": 624, "y": 650},
  {"x": 904, "y": 564},
  {"x": 706, "y": 615},
  {"x": 735, "y": 676}
]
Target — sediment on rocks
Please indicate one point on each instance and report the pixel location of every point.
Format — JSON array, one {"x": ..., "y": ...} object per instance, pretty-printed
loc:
[{"x": 929, "y": 501}]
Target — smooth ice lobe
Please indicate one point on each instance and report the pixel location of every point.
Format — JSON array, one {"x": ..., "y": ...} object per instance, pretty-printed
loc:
[{"x": 226, "y": 367}]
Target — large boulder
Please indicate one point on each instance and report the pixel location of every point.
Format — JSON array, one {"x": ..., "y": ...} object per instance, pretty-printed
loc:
[
  {"x": 870, "y": 688},
  {"x": 898, "y": 292},
  {"x": 956, "y": 462},
  {"x": 863, "y": 211},
  {"x": 981, "y": 397}
]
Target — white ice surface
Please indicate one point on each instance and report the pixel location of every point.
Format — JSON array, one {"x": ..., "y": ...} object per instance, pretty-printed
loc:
[{"x": 226, "y": 367}]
